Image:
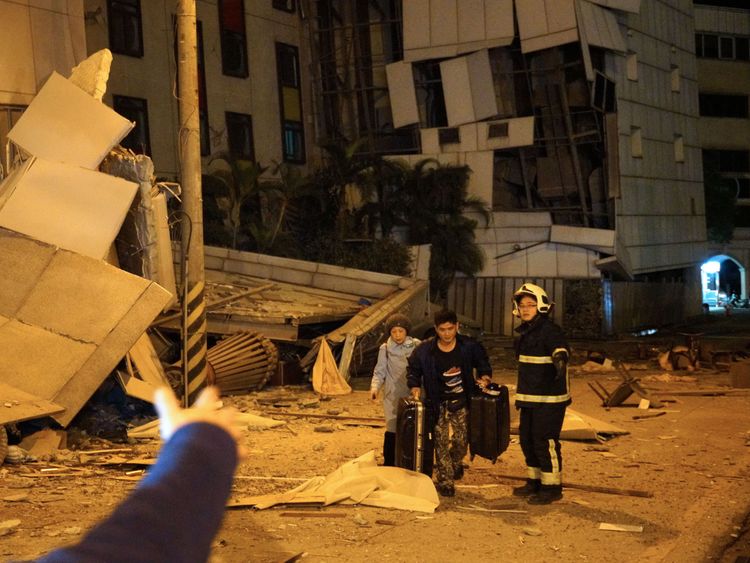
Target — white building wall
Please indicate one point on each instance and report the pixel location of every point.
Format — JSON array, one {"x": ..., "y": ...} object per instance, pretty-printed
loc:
[
  {"x": 660, "y": 215},
  {"x": 151, "y": 77}
]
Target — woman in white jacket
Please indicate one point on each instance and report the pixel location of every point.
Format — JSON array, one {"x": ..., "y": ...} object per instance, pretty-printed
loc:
[{"x": 390, "y": 374}]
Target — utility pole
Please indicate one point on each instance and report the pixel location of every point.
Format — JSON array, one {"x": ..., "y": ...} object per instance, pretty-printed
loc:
[{"x": 194, "y": 310}]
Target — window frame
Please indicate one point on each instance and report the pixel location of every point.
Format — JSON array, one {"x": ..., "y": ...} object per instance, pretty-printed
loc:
[
  {"x": 141, "y": 124},
  {"x": 241, "y": 119},
  {"x": 112, "y": 10},
  {"x": 290, "y": 126},
  {"x": 226, "y": 35},
  {"x": 284, "y": 6}
]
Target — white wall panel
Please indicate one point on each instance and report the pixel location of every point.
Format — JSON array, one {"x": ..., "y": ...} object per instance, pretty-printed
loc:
[
  {"x": 443, "y": 22},
  {"x": 468, "y": 88},
  {"x": 17, "y": 79},
  {"x": 402, "y": 93},
  {"x": 471, "y": 21},
  {"x": 416, "y": 17}
]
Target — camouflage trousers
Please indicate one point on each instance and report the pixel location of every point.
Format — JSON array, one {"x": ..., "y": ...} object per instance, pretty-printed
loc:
[{"x": 451, "y": 440}]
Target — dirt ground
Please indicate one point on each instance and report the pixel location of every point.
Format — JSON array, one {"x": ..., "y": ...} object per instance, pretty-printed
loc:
[{"x": 693, "y": 460}]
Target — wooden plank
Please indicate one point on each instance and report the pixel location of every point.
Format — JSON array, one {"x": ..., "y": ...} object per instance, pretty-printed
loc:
[
  {"x": 346, "y": 356},
  {"x": 147, "y": 362},
  {"x": 135, "y": 387}
]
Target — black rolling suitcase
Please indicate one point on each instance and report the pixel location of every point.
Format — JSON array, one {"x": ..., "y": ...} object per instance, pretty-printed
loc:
[
  {"x": 414, "y": 447},
  {"x": 489, "y": 422}
]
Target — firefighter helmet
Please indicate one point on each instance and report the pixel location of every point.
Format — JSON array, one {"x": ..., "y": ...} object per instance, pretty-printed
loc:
[{"x": 543, "y": 303}]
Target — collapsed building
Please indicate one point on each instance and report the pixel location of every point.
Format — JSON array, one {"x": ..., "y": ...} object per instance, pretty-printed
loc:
[{"x": 578, "y": 120}]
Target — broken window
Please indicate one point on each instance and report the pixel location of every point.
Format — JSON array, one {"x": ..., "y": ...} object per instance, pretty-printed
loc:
[
  {"x": 240, "y": 135},
  {"x": 136, "y": 110},
  {"x": 604, "y": 93},
  {"x": 125, "y": 29},
  {"x": 9, "y": 115},
  {"x": 285, "y": 5},
  {"x": 723, "y": 105},
  {"x": 290, "y": 101},
  {"x": 430, "y": 97},
  {"x": 726, "y": 160},
  {"x": 233, "y": 38}
]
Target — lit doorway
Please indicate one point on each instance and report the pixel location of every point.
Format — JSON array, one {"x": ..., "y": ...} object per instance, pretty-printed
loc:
[{"x": 722, "y": 278}]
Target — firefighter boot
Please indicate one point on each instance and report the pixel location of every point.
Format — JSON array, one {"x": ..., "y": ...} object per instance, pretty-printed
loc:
[
  {"x": 530, "y": 488},
  {"x": 546, "y": 494}
]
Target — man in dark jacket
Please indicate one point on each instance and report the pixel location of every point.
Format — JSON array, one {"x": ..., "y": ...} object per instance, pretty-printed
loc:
[
  {"x": 542, "y": 394},
  {"x": 444, "y": 365}
]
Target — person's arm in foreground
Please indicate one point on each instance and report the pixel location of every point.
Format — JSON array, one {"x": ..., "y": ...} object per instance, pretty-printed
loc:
[{"x": 177, "y": 508}]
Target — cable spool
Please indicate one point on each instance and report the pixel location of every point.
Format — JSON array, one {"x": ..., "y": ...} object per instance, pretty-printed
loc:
[
  {"x": 243, "y": 362},
  {"x": 3, "y": 443}
]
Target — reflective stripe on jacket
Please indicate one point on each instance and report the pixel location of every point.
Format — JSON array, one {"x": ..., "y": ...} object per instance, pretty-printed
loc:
[{"x": 537, "y": 342}]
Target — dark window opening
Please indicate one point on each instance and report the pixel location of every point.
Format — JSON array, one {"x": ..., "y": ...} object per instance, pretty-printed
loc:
[
  {"x": 125, "y": 29},
  {"x": 240, "y": 135},
  {"x": 742, "y": 4},
  {"x": 285, "y": 5},
  {"x": 727, "y": 47},
  {"x": 233, "y": 38},
  {"x": 290, "y": 102},
  {"x": 497, "y": 130},
  {"x": 604, "y": 93},
  {"x": 430, "y": 96},
  {"x": 723, "y": 105},
  {"x": 449, "y": 135},
  {"x": 726, "y": 160},
  {"x": 134, "y": 109}
]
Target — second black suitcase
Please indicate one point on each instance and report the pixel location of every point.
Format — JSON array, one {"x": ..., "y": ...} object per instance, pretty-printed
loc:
[
  {"x": 414, "y": 447},
  {"x": 489, "y": 423}
]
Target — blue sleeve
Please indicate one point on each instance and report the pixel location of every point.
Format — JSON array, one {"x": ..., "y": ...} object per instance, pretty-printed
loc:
[{"x": 176, "y": 509}]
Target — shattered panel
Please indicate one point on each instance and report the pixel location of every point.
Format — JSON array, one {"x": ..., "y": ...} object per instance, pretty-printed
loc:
[
  {"x": 84, "y": 280},
  {"x": 21, "y": 406},
  {"x": 70, "y": 207},
  {"x": 446, "y": 28},
  {"x": 22, "y": 262},
  {"x": 402, "y": 93},
  {"x": 468, "y": 88},
  {"x": 81, "y": 317},
  {"x": 632, "y": 6},
  {"x": 81, "y": 135},
  {"x": 105, "y": 357},
  {"x": 600, "y": 27},
  {"x": 518, "y": 132},
  {"x": 39, "y": 361},
  {"x": 546, "y": 23}
]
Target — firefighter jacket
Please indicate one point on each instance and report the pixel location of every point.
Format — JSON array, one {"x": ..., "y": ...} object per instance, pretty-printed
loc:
[
  {"x": 422, "y": 370},
  {"x": 535, "y": 345}
]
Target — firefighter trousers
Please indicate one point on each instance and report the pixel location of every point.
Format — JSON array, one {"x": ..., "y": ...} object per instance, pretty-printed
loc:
[{"x": 539, "y": 434}]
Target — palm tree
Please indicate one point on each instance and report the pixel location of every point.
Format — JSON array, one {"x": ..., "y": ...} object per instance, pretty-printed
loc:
[
  {"x": 433, "y": 200},
  {"x": 240, "y": 179}
]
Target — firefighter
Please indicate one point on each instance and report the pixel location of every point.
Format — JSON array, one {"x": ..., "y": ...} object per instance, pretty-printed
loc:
[{"x": 542, "y": 394}]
